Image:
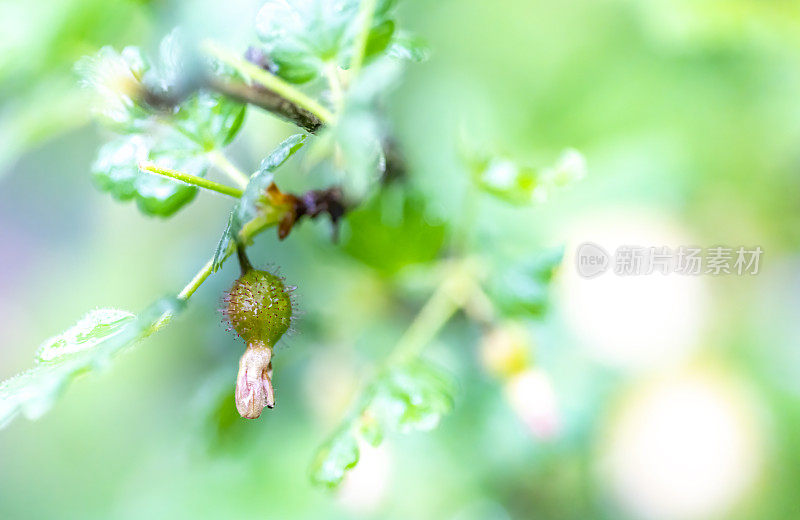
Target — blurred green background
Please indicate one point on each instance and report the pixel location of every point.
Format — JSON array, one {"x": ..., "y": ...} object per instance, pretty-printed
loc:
[{"x": 677, "y": 397}]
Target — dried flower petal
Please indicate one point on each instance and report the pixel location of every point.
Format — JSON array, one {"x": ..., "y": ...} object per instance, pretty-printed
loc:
[{"x": 254, "y": 383}]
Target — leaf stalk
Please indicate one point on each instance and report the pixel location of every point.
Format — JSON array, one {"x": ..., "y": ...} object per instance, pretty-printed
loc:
[{"x": 194, "y": 180}]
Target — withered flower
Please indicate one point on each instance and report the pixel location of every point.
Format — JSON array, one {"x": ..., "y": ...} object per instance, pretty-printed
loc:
[{"x": 254, "y": 383}]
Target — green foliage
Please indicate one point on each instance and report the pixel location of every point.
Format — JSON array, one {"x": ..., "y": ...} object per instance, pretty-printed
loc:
[
  {"x": 116, "y": 171},
  {"x": 302, "y": 38},
  {"x": 391, "y": 231},
  {"x": 221, "y": 423},
  {"x": 255, "y": 203},
  {"x": 334, "y": 458},
  {"x": 411, "y": 397},
  {"x": 709, "y": 98},
  {"x": 116, "y": 79},
  {"x": 256, "y": 208},
  {"x": 36, "y": 63},
  {"x": 209, "y": 120},
  {"x": 178, "y": 139},
  {"x": 521, "y": 185},
  {"x": 406, "y": 46},
  {"x": 89, "y": 344},
  {"x": 522, "y": 290},
  {"x": 350, "y": 151},
  {"x": 355, "y": 47},
  {"x": 93, "y": 328},
  {"x": 274, "y": 160},
  {"x": 404, "y": 398}
]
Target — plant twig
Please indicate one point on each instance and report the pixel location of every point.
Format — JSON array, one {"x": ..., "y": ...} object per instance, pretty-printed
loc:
[
  {"x": 268, "y": 100},
  {"x": 288, "y": 211},
  {"x": 228, "y": 168},
  {"x": 451, "y": 295},
  {"x": 337, "y": 95},
  {"x": 208, "y": 268},
  {"x": 365, "y": 13},
  {"x": 192, "y": 179},
  {"x": 197, "y": 281},
  {"x": 252, "y": 94},
  {"x": 270, "y": 81}
]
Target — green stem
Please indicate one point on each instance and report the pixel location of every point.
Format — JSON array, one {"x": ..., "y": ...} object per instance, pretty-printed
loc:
[
  {"x": 268, "y": 80},
  {"x": 247, "y": 232},
  {"x": 451, "y": 295},
  {"x": 197, "y": 281},
  {"x": 244, "y": 262},
  {"x": 466, "y": 225},
  {"x": 228, "y": 168},
  {"x": 252, "y": 227},
  {"x": 191, "y": 179},
  {"x": 337, "y": 95},
  {"x": 365, "y": 13}
]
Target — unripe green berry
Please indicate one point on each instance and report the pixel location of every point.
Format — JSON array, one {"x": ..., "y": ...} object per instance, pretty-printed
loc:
[{"x": 259, "y": 307}]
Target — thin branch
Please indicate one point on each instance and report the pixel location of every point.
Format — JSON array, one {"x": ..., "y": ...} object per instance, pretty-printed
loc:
[
  {"x": 270, "y": 81},
  {"x": 311, "y": 204},
  {"x": 197, "y": 281},
  {"x": 252, "y": 94},
  {"x": 335, "y": 85},
  {"x": 192, "y": 179},
  {"x": 366, "y": 11},
  {"x": 451, "y": 295},
  {"x": 268, "y": 100}
]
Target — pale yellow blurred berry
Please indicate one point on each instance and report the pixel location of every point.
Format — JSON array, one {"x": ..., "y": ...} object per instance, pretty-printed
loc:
[{"x": 505, "y": 350}]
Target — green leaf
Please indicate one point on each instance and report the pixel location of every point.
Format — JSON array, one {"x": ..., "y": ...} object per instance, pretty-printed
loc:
[
  {"x": 569, "y": 168},
  {"x": 391, "y": 231},
  {"x": 116, "y": 80},
  {"x": 227, "y": 242},
  {"x": 405, "y": 46},
  {"x": 254, "y": 205},
  {"x": 349, "y": 153},
  {"x": 522, "y": 290},
  {"x": 411, "y": 397},
  {"x": 379, "y": 38},
  {"x": 334, "y": 458},
  {"x": 280, "y": 155},
  {"x": 116, "y": 171},
  {"x": 370, "y": 428},
  {"x": 406, "y": 398},
  {"x": 97, "y": 326},
  {"x": 89, "y": 344},
  {"x": 302, "y": 36},
  {"x": 506, "y": 179},
  {"x": 521, "y": 185},
  {"x": 296, "y": 66},
  {"x": 209, "y": 119},
  {"x": 179, "y": 139}
]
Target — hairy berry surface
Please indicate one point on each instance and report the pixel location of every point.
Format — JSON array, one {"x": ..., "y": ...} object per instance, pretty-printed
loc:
[{"x": 259, "y": 307}]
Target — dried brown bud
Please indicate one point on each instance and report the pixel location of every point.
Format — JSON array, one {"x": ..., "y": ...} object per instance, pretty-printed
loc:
[{"x": 254, "y": 383}]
